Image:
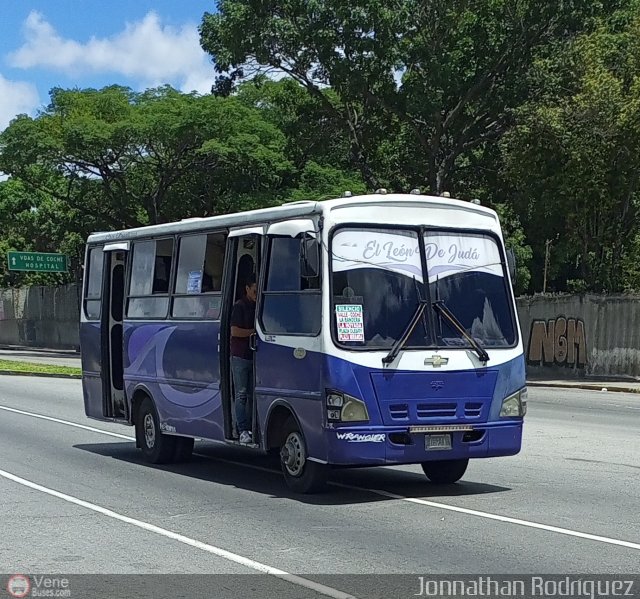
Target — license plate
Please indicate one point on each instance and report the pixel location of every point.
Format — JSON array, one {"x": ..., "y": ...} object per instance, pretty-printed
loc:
[{"x": 437, "y": 442}]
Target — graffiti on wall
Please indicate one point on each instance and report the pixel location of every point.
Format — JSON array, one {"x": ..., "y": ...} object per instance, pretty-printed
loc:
[{"x": 560, "y": 341}]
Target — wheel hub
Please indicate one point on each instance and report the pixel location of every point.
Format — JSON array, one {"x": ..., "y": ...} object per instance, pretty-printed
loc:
[
  {"x": 149, "y": 431},
  {"x": 292, "y": 454}
]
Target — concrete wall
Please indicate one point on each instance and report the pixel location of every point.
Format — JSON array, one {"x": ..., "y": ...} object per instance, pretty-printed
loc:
[
  {"x": 43, "y": 317},
  {"x": 581, "y": 335}
]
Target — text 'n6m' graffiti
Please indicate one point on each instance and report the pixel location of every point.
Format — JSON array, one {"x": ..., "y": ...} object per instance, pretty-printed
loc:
[{"x": 560, "y": 342}]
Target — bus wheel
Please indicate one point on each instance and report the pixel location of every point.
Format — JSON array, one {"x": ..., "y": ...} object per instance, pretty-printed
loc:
[
  {"x": 445, "y": 472},
  {"x": 300, "y": 474},
  {"x": 157, "y": 448}
]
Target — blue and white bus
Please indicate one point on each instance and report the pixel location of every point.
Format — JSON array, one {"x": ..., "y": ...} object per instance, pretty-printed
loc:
[{"x": 386, "y": 333}]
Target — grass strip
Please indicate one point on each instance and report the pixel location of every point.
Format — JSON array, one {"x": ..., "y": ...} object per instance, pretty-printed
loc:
[{"x": 31, "y": 368}]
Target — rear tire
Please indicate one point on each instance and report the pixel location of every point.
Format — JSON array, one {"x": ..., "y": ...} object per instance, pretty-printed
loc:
[
  {"x": 300, "y": 474},
  {"x": 157, "y": 448},
  {"x": 445, "y": 472}
]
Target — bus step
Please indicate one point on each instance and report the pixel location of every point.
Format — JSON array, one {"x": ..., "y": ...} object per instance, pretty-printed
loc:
[{"x": 236, "y": 442}]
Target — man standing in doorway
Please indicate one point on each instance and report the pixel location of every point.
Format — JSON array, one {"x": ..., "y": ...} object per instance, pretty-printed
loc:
[{"x": 243, "y": 321}]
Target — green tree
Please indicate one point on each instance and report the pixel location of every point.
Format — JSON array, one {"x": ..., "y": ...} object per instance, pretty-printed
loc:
[
  {"x": 420, "y": 86},
  {"x": 141, "y": 158},
  {"x": 317, "y": 144},
  {"x": 574, "y": 159},
  {"x": 112, "y": 158},
  {"x": 515, "y": 239},
  {"x": 33, "y": 221}
]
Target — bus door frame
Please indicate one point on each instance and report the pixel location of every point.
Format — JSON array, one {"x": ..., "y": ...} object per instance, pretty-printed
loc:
[
  {"x": 114, "y": 277},
  {"x": 229, "y": 287}
]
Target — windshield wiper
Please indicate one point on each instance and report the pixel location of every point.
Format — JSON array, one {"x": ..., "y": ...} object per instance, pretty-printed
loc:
[
  {"x": 397, "y": 346},
  {"x": 440, "y": 307}
]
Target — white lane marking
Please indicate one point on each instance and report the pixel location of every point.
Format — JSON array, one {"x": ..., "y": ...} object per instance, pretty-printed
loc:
[
  {"x": 228, "y": 555},
  {"x": 527, "y": 523},
  {"x": 442, "y": 506},
  {"x": 67, "y": 423},
  {"x": 610, "y": 405},
  {"x": 453, "y": 508}
]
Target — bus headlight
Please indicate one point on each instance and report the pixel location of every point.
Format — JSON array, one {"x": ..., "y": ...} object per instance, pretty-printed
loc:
[
  {"x": 514, "y": 406},
  {"x": 354, "y": 410},
  {"x": 345, "y": 408}
]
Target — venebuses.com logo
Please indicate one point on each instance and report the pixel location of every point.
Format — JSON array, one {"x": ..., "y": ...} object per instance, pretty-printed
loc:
[{"x": 18, "y": 586}]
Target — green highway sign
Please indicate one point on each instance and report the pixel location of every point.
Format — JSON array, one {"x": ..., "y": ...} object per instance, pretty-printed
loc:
[{"x": 37, "y": 262}]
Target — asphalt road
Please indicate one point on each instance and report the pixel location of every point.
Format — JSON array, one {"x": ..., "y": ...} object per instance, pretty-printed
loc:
[{"x": 79, "y": 500}]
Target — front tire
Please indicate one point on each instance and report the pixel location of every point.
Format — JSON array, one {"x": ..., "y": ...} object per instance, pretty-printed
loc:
[
  {"x": 445, "y": 472},
  {"x": 157, "y": 448},
  {"x": 300, "y": 474}
]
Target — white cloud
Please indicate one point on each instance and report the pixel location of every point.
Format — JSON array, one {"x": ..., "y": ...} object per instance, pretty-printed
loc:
[
  {"x": 146, "y": 51},
  {"x": 16, "y": 97}
]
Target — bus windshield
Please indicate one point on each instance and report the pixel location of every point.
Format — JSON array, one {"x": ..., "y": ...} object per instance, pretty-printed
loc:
[
  {"x": 467, "y": 274},
  {"x": 378, "y": 281}
]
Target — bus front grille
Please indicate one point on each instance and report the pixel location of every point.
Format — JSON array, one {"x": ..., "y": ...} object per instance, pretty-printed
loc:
[
  {"x": 403, "y": 412},
  {"x": 472, "y": 410},
  {"x": 399, "y": 411},
  {"x": 436, "y": 410}
]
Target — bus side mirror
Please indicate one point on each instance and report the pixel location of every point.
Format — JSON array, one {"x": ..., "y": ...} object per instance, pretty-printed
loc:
[
  {"x": 309, "y": 258},
  {"x": 511, "y": 263}
]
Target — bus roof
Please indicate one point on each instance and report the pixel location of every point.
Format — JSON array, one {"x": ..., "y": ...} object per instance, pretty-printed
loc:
[{"x": 280, "y": 213}]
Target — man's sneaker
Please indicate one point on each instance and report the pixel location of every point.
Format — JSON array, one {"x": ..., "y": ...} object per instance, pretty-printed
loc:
[{"x": 245, "y": 437}]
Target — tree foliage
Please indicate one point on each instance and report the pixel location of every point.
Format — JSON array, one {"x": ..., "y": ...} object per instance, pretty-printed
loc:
[
  {"x": 35, "y": 221},
  {"x": 143, "y": 158},
  {"x": 442, "y": 77},
  {"x": 112, "y": 158},
  {"x": 531, "y": 107},
  {"x": 575, "y": 160}
]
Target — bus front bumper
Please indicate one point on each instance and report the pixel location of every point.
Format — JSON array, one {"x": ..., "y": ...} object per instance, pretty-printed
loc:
[{"x": 360, "y": 446}]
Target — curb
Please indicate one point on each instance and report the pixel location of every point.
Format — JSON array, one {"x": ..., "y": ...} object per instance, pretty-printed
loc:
[
  {"x": 40, "y": 350},
  {"x": 585, "y": 386},
  {"x": 47, "y": 375}
]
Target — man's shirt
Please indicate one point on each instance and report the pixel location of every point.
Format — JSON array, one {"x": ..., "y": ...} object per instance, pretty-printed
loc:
[{"x": 243, "y": 316}]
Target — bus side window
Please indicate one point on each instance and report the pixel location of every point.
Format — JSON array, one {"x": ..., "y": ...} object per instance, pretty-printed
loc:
[
  {"x": 291, "y": 303},
  {"x": 150, "y": 275},
  {"x": 214, "y": 262},
  {"x": 198, "y": 281},
  {"x": 162, "y": 271},
  {"x": 161, "y": 275},
  {"x": 93, "y": 292}
]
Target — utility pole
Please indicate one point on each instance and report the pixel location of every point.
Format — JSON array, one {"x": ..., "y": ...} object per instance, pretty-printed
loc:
[{"x": 547, "y": 245}]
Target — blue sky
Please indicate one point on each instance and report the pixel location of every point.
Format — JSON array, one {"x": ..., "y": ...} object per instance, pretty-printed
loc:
[{"x": 85, "y": 43}]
